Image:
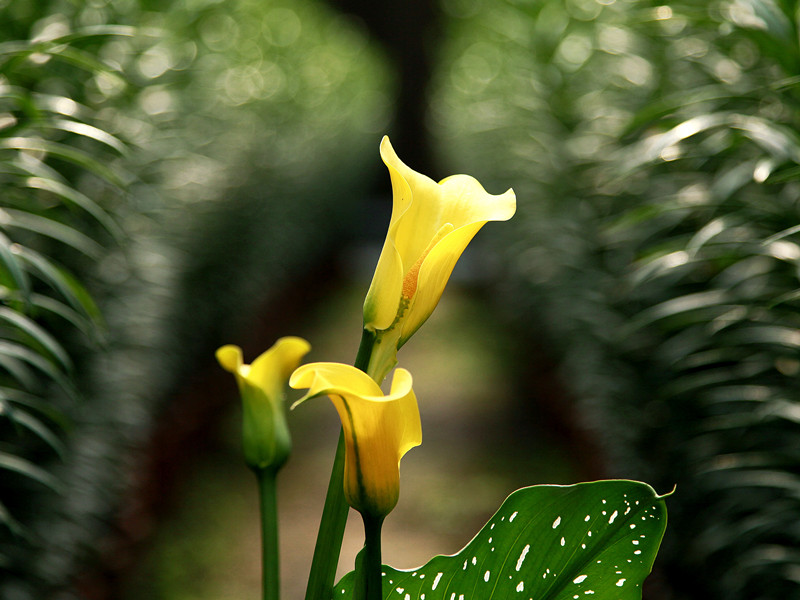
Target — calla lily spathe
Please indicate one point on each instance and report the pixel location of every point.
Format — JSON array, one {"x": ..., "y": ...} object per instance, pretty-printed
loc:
[
  {"x": 431, "y": 226},
  {"x": 378, "y": 429},
  {"x": 265, "y": 433}
]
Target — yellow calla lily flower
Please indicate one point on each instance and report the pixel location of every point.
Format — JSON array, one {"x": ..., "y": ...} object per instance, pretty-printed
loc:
[
  {"x": 431, "y": 226},
  {"x": 378, "y": 429},
  {"x": 265, "y": 433}
]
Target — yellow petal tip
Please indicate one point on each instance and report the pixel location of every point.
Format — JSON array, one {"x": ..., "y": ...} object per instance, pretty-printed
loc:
[{"x": 230, "y": 358}]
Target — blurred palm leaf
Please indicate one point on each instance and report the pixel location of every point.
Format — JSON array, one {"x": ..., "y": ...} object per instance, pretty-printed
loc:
[
  {"x": 49, "y": 229},
  {"x": 655, "y": 152}
]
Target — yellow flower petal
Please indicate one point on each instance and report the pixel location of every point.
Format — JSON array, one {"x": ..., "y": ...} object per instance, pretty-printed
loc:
[
  {"x": 378, "y": 429},
  {"x": 265, "y": 433},
  {"x": 230, "y": 358},
  {"x": 271, "y": 370},
  {"x": 431, "y": 226}
]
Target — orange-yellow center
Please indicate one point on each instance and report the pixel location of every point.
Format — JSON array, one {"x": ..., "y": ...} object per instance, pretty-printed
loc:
[{"x": 410, "y": 280}]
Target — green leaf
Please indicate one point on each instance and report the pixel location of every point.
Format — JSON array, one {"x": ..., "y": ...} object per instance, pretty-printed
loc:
[
  {"x": 89, "y": 131},
  {"x": 11, "y": 218},
  {"x": 25, "y": 420},
  {"x": 85, "y": 325},
  {"x": 14, "y": 526},
  {"x": 591, "y": 540},
  {"x": 31, "y": 403},
  {"x": 39, "y": 176},
  {"x": 11, "y": 352},
  {"x": 70, "y": 288},
  {"x": 37, "y": 334},
  {"x": 68, "y": 153},
  {"x": 15, "y": 275},
  {"x": 73, "y": 196},
  {"x": 28, "y": 469}
]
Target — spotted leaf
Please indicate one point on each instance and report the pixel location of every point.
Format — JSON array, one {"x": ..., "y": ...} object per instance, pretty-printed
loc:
[{"x": 593, "y": 541}]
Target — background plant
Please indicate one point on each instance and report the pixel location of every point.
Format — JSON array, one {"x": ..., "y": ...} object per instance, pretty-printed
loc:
[
  {"x": 660, "y": 250},
  {"x": 193, "y": 141},
  {"x": 653, "y": 149},
  {"x": 60, "y": 176}
]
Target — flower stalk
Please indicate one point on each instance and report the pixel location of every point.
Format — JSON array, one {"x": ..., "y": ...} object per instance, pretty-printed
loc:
[
  {"x": 334, "y": 514},
  {"x": 268, "y": 504},
  {"x": 431, "y": 225},
  {"x": 266, "y": 442},
  {"x": 368, "y": 576},
  {"x": 378, "y": 429}
]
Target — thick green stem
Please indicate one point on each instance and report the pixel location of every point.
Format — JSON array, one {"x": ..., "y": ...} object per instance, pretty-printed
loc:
[
  {"x": 334, "y": 514},
  {"x": 269, "y": 533},
  {"x": 368, "y": 576}
]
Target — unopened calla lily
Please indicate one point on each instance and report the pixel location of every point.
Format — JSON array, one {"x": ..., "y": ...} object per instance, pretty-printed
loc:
[
  {"x": 265, "y": 433},
  {"x": 431, "y": 226},
  {"x": 378, "y": 429}
]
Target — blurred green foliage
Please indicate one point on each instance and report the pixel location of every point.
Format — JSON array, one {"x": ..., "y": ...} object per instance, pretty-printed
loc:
[
  {"x": 223, "y": 123},
  {"x": 59, "y": 177},
  {"x": 654, "y": 151},
  {"x": 176, "y": 167}
]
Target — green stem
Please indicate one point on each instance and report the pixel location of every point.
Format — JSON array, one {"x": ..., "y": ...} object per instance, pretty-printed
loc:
[
  {"x": 334, "y": 514},
  {"x": 365, "y": 350},
  {"x": 369, "y": 584},
  {"x": 269, "y": 533}
]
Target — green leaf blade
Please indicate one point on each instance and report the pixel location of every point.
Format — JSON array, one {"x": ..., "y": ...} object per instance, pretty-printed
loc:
[{"x": 594, "y": 541}]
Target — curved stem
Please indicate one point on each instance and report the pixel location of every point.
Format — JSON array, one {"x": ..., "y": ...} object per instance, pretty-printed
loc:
[
  {"x": 269, "y": 533},
  {"x": 334, "y": 515}
]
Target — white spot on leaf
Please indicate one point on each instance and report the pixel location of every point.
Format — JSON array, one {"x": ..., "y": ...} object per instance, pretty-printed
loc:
[
  {"x": 522, "y": 556},
  {"x": 557, "y": 522},
  {"x": 521, "y": 586},
  {"x": 486, "y": 576},
  {"x": 513, "y": 516},
  {"x": 579, "y": 579},
  {"x": 621, "y": 582},
  {"x": 436, "y": 580},
  {"x": 614, "y": 515}
]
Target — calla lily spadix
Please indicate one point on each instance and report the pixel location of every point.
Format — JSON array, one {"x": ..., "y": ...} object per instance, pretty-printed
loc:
[
  {"x": 431, "y": 226},
  {"x": 265, "y": 433},
  {"x": 378, "y": 429}
]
